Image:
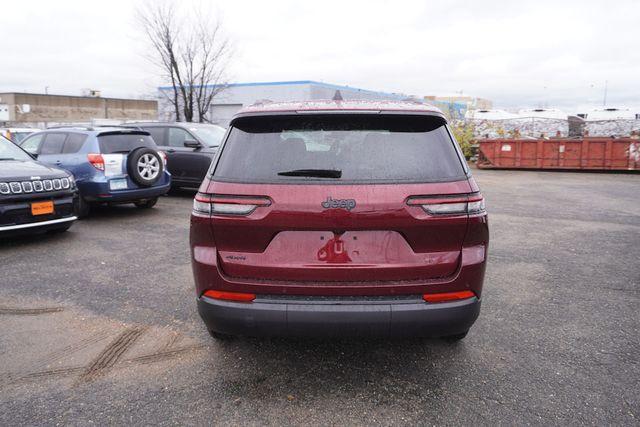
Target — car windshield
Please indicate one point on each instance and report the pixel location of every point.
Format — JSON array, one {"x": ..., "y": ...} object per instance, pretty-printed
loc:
[
  {"x": 211, "y": 135},
  {"x": 339, "y": 148},
  {"x": 10, "y": 151}
]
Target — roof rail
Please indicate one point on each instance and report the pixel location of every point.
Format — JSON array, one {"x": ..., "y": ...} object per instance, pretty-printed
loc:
[
  {"x": 90, "y": 128},
  {"x": 130, "y": 122}
]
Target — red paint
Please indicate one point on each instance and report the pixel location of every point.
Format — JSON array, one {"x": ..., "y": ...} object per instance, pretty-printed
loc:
[
  {"x": 387, "y": 244},
  {"x": 383, "y": 246},
  {"x": 560, "y": 153}
]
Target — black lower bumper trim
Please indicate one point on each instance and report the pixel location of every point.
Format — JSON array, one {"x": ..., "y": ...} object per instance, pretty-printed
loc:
[{"x": 350, "y": 319}]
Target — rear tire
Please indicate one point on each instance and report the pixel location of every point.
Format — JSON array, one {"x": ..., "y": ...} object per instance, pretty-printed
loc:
[
  {"x": 146, "y": 204},
  {"x": 221, "y": 337},
  {"x": 455, "y": 337},
  {"x": 82, "y": 207}
]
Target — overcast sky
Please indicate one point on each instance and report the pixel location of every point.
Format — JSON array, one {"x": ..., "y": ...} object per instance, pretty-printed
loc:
[{"x": 517, "y": 53}]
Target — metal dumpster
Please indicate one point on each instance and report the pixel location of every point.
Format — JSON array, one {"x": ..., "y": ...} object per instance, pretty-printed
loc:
[{"x": 590, "y": 153}]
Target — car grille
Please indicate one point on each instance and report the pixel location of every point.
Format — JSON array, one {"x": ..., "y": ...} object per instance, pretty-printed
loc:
[{"x": 35, "y": 186}]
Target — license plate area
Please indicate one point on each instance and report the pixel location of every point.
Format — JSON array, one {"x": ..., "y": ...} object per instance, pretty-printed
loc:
[
  {"x": 41, "y": 208},
  {"x": 118, "y": 184},
  {"x": 350, "y": 256}
]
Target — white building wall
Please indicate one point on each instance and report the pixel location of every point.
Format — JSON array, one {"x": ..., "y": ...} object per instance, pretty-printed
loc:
[
  {"x": 249, "y": 94},
  {"x": 328, "y": 91},
  {"x": 236, "y": 96}
]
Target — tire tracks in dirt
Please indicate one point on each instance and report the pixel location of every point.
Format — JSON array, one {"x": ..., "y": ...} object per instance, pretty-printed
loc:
[
  {"x": 111, "y": 357},
  {"x": 111, "y": 354},
  {"x": 29, "y": 311},
  {"x": 72, "y": 348}
]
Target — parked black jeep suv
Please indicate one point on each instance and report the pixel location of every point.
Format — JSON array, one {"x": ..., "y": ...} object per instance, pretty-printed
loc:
[
  {"x": 190, "y": 147},
  {"x": 33, "y": 197}
]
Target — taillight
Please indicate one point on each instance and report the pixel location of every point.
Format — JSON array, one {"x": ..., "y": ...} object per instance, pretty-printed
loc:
[
  {"x": 164, "y": 157},
  {"x": 230, "y": 296},
  {"x": 96, "y": 160},
  {"x": 471, "y": 204},
  {"x": 448, "y": 296},
  {"x": 206, "y": 205}
]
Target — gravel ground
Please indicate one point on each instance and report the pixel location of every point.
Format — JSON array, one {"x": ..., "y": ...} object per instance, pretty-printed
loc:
[{"x": 98, "y": 325}]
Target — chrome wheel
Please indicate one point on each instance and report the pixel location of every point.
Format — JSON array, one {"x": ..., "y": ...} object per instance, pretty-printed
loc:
[{"x": 148, "y": 166}]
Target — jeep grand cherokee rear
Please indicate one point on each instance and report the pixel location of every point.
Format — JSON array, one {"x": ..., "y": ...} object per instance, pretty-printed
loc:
[{"x": 339, "y": 219}]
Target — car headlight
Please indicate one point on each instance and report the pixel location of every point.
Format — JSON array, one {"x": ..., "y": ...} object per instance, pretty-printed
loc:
[{"x": 72, "y": 182}]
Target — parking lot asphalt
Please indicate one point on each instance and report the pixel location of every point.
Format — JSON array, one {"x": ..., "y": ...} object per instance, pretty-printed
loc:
[{"x": 99, "y": 325}]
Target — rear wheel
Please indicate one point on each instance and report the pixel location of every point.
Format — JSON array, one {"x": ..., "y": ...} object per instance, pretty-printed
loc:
[
  {"x": 221, "y": 337},
  {"x": 455, "y": 337},
  {"x": 146, "y": 204},
  {"x": 82, "y": 207}
]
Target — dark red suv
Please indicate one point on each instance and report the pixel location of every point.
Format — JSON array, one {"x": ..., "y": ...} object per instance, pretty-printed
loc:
[{"x": 339, "y": 218}]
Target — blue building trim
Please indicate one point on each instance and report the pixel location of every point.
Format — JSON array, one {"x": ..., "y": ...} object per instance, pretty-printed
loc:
[{"x": 305, "y": 82}]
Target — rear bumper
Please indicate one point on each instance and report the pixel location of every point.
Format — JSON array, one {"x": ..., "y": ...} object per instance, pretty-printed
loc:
[
  {"x": 371, "y": 317},
  {"x": 100, "y": 192}
]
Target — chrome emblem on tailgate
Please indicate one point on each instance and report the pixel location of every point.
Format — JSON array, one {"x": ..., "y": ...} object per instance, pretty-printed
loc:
[{"x": 347, "y": 204}]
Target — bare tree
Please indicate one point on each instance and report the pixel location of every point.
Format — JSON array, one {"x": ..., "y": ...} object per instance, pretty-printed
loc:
[{"x": 192, "y": 52}]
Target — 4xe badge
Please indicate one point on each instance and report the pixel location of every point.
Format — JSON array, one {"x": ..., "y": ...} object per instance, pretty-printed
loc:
[{"x": 347, "y": 204}]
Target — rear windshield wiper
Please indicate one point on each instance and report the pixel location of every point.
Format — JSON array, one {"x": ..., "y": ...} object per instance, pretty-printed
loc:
[
  {"x": 7, "y": 158},
  {"x": 316, "y": 173}
]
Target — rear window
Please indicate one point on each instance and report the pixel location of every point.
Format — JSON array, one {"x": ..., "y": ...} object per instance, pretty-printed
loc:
[
  {"x": 111, "y": 143},
  {"x": 339, "y": 148}
]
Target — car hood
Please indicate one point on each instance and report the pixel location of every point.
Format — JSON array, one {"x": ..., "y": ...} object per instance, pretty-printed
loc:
[{"x": 28, "y": 170}]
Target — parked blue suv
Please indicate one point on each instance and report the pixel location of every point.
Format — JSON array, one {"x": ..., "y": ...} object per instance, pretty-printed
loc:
[{"x": 110, "y": 165}]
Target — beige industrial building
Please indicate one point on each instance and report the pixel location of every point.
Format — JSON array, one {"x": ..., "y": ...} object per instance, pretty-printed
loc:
[{"x": 41, "y": 110}]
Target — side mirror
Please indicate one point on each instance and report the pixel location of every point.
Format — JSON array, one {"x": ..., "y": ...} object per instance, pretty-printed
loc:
[{"x": 192, "y": 143}]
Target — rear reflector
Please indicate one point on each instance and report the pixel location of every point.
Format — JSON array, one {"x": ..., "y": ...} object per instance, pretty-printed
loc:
[
  {"x": 229, "y": 296},
  {"x": 448, "y": 296}
]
